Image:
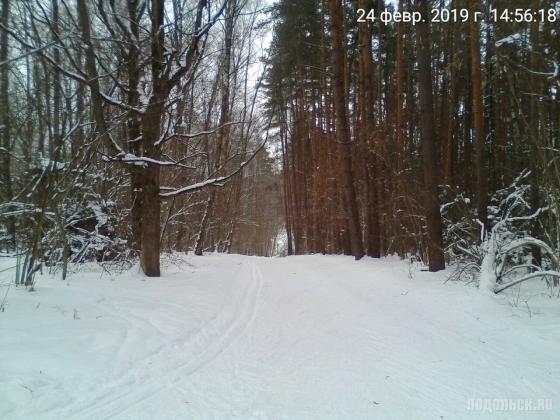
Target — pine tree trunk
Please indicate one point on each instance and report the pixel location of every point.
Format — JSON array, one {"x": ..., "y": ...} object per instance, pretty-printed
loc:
[
  {"x": 478, "y": 117},
  {"x": 431, "y": 200},
  {"x": 367, "y": 101},
  {"x": 450, "y": 158},
  {"x": 535, "y": 134},
  {"x": 342, "y": 129}
]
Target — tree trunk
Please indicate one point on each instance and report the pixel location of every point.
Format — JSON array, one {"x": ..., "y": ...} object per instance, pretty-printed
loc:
[
  {"x": 368, "y": 126},
  {"x": 535, "y": 134},
  {"x": 151, "y": 208},
  {"x": 478, "y": 117},
  {"x": 5, "y": 123},
  {"x": 342, "y": 129},
  {"x": 133, "y": 126},
  {"x": 151, "y": 130},
  {"x": 450, "y": 158},
  {"x": 431, "y": 200}
]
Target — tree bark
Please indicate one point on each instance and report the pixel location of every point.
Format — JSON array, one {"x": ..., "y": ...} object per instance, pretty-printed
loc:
[
  {"x": 367, "y": 100},
  {"x": 56, "y": 146},
  {"x": 151, "y": 129},
  {"x": 431, "y": 200},
  {"x": 478, "y": 117},
  {"x": 5, "y": 123},
  {"x": 133, "y": 126},
  {"x": 342, "y": 129},
  {"x": 535, "y": 134}
]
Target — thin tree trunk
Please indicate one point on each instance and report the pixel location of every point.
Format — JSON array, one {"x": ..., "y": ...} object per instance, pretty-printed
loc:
[
  {"x": 478, "y": 117},
  {"x": 450, "y": 148},
  {"x": 223, "y": 135},
  {"x": 56, "y": 146},
  {"x": 5, "y": 122},
  {"x": 536, "y": 162},
  {"x": 399, "y": 97},
  {"x": 367, "y": 100},
  {"x": 133, "y": 125}
]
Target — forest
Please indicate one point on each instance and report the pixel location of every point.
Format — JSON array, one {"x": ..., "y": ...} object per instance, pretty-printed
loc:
[
  {"x": 439, "y": 136},
  {"x": 138, "y": 136},
  {"x": 122, "y": 140},
  {"x": 135, "y": 128}
]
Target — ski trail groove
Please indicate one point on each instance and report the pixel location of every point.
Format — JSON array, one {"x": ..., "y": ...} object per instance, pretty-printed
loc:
[
  {"x": 202, "y": 347},
  {"x": 222, "y": 336}
]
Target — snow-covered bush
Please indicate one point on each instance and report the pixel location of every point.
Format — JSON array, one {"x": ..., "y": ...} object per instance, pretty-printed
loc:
[
  {"x": 509, "y": 248},
  {"x": 502, "y": 257},
  {"x": 91, "y": 232},
  {"x": 462, "y": 236},
  {"x": 63, "y": 215}
]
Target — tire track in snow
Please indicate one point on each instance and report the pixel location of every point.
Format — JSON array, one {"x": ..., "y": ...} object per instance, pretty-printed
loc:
[{"x": 202, "y": 347}]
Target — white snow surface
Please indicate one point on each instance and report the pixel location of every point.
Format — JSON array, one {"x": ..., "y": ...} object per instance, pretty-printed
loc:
[{"x": 307, "y": 337}]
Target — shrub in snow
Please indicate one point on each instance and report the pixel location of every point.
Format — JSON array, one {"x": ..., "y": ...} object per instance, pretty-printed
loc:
[
  {"x": 61, "y": 217},
  {"x": 92, "y": 233},
  {"x": 508, "y": 248},
  {"x": 462, "y": 237},
  {"x": 501, "y": 258}
]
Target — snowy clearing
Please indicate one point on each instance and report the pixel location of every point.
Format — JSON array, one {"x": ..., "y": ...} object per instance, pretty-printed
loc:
[{"x": 310, "y": 337}]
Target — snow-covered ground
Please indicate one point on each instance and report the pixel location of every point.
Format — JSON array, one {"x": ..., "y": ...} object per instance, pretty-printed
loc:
[{"x": 311, "y": 337}]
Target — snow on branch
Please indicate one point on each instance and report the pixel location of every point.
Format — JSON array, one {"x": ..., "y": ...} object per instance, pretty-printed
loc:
[
  {"x": 131, "y": 159},
  {"x": 525, "y": 218},
  {"x": 215, "y": 182},
  {"x": 537, "y": 274},
  {"x": 120, "y": 104},
  {"x": 194, "y": 135},
  {"x": 498, "y": 263},
  {"x": 530, "y": 241},
  {"x": 517, "y": 38},
  {"x": 490, "y": 272}
]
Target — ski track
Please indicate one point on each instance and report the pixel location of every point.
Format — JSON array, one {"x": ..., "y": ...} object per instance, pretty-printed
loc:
[{"x": 202, "y": 348}]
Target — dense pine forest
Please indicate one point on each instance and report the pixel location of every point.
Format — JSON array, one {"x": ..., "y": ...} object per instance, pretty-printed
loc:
[
  {"x": 133, "y": 128},
  {"x": 410, "y": 139}
]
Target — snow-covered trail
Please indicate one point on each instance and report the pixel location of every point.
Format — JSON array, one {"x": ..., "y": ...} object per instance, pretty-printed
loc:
[{"x": 311, "y": 337}]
